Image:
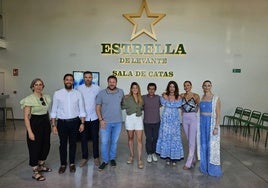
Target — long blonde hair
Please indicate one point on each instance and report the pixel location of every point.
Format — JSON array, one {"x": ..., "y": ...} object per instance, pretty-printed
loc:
[{"x": 140, "y": 101}]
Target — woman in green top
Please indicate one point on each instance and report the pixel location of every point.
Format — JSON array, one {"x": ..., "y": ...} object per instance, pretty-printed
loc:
[
  {"x": 35, "y": 108},
  {"x": 133, "y": 104}
]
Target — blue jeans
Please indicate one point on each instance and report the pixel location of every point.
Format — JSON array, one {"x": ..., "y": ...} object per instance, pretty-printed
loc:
[{"x": 109, "y": 137}]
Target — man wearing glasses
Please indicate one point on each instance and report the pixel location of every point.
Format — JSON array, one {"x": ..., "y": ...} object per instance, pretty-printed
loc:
[
  {"x": 89, "y": 92},
  {"x": 68, "y": 108}
]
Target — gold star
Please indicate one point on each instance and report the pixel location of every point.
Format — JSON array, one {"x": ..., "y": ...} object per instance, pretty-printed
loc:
[{"x": 156, "y": 18}]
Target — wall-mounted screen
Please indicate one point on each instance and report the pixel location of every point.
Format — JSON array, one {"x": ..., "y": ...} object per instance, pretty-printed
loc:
[{"x": 78, "y": 78}]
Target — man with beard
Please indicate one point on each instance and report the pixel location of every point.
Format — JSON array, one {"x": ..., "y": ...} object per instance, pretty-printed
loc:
[
  {"x": 89, "y": 92},
  {"x": 68, "y": 108},
  {"x": 108, "y": 108}
]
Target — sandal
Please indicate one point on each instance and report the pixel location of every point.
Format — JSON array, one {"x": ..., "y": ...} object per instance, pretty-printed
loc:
[
  {"x": 130, "y": 160},
  {"x": 140, "y": 164},
  {"x": 43, "y": 168},
  {"x": 186, "y": 168},
  {"x": 38, "y": 177}
]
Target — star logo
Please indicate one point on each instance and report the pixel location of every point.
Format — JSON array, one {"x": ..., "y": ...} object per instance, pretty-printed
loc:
[{"x": 154, "y": 17}]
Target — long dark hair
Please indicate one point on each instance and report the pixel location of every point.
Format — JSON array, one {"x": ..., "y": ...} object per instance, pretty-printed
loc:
[{"x": 176, "y": 93}]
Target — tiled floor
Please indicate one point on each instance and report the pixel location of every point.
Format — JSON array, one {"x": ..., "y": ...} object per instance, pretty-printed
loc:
[{"x": 244, "y": 164}]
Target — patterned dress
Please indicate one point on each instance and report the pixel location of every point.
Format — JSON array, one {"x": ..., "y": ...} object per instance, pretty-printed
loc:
[{"x": 169, "y": 143}]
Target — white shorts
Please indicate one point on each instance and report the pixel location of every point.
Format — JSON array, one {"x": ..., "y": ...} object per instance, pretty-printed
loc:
[{"x": 133, "y": 122}]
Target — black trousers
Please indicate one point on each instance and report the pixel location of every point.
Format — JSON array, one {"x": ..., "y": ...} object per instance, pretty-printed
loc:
[
  {"x": 39, "y": 148},
  {"x": 67, "y": 131},
  {"x": 91, "y": 131},
  {"x": 151, "y": 131}
]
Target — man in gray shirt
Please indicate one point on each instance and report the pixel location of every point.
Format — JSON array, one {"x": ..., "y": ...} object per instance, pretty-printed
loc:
[{"x": 108, "y": 108}]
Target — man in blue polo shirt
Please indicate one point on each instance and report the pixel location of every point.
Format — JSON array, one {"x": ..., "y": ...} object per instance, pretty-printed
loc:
[{"x": 108, "y": 108}]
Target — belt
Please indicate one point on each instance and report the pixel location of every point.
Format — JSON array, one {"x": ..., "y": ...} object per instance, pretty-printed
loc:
[
  {"x": 206, "y": 113},
  {"x": 69, "y": 120}
]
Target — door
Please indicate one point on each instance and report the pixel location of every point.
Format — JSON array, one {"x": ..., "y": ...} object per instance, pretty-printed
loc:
[{"x": 2, "y": 83}]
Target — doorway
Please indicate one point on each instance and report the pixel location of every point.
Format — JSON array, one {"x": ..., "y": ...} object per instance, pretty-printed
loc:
[{"x": 2, "y": 83}]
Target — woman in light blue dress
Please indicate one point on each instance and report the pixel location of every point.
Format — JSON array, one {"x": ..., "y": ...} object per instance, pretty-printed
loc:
[
  {"x": 169, "y": 143},
  {"x": 210, "y": 132}
]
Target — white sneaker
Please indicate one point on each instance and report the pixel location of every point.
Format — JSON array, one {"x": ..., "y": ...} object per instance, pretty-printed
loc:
[
  {"x": 149, "y": 158},
  {"x": 154, "y": 157}
]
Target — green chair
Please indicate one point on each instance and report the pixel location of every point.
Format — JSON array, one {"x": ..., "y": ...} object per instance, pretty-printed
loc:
[
  {"x": 240, "y": 121},
  {"x": 254, "y": 118},
  {"x": 262, "y": 125},
  {"x": 230, "y": 118}
]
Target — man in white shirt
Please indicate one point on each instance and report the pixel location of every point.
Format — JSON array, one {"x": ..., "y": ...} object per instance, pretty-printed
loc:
[
  {"x": 68, "y": 109},
  {"x": 89, "y": 92}
]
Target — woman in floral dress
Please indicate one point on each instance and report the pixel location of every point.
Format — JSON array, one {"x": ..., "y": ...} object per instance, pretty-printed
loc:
[{"x": 169, "y": 143}]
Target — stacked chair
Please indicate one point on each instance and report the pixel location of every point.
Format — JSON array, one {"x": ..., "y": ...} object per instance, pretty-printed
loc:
[{"x": 245, "y": 119}]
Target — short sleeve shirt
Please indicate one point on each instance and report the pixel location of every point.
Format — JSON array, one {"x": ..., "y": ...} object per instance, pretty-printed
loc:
[
  {"x": 110, "y": 103},
  {"x": 36, "y": 105}
]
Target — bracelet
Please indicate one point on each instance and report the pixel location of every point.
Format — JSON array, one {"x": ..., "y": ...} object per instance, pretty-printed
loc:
[
  {"x": 82, "y": 123},
  {"x": 216, "y": 128},
  {"x": 53, "y": 125}
]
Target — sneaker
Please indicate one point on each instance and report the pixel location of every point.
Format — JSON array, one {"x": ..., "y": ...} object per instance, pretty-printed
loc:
[
  {"x": 154, "y": 157},
  {"x": 113, "y": 163},
  {"x": 174, "y": 163},
  {"x": 83, "y": 162},
  {"x": 149, "y": 158},
  {"x": 102, "y": 166}
]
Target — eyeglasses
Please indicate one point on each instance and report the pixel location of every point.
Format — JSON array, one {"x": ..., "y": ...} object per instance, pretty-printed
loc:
[{"x": 42, "y": 100}]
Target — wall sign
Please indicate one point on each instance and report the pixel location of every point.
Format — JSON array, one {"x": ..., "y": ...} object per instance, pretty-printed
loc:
[{"x": 143, "y": 54}]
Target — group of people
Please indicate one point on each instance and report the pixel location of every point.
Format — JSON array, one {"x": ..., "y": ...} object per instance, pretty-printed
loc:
[{"x": 89, "y": 112}]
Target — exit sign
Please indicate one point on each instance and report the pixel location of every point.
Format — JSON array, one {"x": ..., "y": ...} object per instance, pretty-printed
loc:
[{"x": 236, "y": 70}]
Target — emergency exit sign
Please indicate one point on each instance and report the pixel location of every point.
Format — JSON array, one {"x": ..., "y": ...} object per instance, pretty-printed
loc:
[{"x": 236, "y": 70}]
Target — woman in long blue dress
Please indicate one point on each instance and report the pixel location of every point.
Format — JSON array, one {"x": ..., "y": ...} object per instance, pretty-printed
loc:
[
  {"x": 210, "y": 132},
  {"x": 169, "y": 143}
]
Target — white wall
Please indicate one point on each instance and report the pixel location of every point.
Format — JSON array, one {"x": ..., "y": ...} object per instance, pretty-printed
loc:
[{"x": 50, "y": 38}]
